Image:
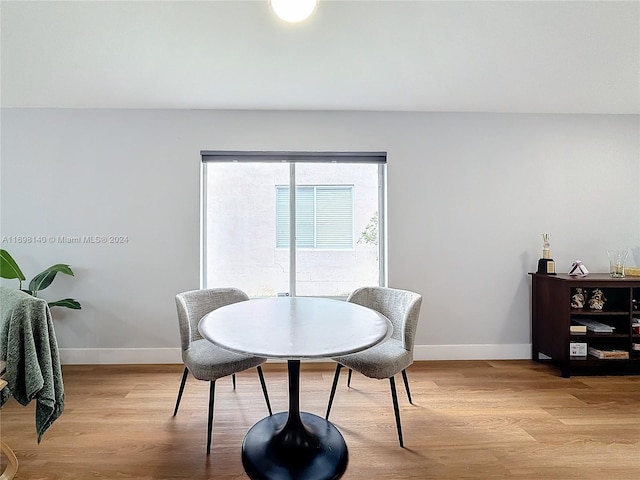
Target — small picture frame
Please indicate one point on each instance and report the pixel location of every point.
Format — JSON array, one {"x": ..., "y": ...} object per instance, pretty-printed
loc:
[{"x": 578, "y": 349}]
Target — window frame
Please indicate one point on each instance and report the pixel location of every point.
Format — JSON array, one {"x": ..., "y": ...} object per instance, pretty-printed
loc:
[{"x": 293, "y": 158}]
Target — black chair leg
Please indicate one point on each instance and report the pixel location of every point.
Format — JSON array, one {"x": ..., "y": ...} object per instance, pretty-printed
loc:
[
  {"x": 184, "y": 380},
  {"x": 396, "y": 409},
  {"x": 333, "y": 389},
  {"x": 233, "y": 379},
  {"x": 264, "y": 389},
  {"x": 406, "y": 385},
  {"x": 212, "y": 391},
  {"x": 349, "y": 378}
]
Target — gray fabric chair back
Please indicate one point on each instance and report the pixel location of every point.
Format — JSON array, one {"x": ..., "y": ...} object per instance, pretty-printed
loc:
[
  {"x": 195, "y": 304},
  {"x": 401, "y": 307}
]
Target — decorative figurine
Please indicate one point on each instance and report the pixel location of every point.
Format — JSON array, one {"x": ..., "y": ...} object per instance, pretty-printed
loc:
[
  {"x": 596, "y": 302},
  {"x": 578, "y": 299},
  {"x": 578, "y": 269},
  {"x": 546, "y": 265}
]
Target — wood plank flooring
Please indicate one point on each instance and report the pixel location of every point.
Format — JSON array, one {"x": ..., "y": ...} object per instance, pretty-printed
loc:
[{"x": 470, "y": 420}]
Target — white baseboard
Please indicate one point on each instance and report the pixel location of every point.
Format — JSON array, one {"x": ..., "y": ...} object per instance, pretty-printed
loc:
[
  {"x": 111, "y": 356},
  {"x": 517, "y": 351},
  {"x": 119, "y": 356}
]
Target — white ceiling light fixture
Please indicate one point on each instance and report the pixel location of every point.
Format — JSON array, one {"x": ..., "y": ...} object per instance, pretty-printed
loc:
[{"x": 293, "y": 11}]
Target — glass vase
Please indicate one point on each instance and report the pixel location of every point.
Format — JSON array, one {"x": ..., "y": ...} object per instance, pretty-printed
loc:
[{"x": 617, "y": 259}]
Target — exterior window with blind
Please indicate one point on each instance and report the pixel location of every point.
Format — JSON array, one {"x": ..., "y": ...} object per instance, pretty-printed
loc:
[
  {"x": 332, "y": 203},
  {"x": 324, "y": 217}
]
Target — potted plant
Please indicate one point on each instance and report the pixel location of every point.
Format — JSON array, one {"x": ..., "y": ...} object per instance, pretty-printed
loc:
[{"x": 9, "y": 269}]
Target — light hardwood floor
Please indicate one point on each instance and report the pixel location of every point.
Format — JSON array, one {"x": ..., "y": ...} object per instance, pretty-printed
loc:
[{"x": 471, "y": 420}]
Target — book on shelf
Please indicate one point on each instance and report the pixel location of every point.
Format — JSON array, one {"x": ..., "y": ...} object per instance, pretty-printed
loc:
[
  {"x": 635, "y": 347},
  {"x": 577, "y": 329},
  {"x": 593, "y": 326},
  {"x": 608, "y": 353}
]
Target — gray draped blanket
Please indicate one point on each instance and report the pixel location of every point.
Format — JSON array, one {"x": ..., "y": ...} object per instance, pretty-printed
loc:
[{"x": 28, "y": 346}]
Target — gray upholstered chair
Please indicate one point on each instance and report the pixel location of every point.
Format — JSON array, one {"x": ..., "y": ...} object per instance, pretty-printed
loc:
[
  {"x": 202, "y": 358},
  {"x": 393, "y": 355}
]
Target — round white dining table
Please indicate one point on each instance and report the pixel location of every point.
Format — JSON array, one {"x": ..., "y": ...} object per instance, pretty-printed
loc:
[{"x": 294, "y": 445}]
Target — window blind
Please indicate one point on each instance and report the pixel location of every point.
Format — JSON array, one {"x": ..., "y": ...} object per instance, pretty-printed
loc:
[
  {"x": 293, "y": 157},
  {"x": 324, "y": 217}
]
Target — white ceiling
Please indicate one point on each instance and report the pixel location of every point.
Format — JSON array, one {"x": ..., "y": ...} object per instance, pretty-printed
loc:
[{"x": 457, "y": 56}]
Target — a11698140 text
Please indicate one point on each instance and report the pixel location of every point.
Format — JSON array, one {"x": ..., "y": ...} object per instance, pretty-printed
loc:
[{"x": 65, "y": 239}]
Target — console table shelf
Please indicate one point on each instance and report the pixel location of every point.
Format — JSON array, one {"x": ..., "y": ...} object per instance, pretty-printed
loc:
[{"x": 552, "y": 315}]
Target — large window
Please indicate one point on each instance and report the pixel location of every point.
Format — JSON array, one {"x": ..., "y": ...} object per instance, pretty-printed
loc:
[{"x": 336, "y": 215}]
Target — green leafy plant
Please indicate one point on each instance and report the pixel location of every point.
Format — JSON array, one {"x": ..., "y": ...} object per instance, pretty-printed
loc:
[
  {"x": 370, "y": 233},
  {"x": 9, "y": 269}
]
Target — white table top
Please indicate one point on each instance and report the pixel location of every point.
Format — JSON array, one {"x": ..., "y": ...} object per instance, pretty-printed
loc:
[{"x": 296, "y": 327}]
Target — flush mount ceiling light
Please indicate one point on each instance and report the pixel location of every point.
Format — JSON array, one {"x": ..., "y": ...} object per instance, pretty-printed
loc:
[{"x": 293, "y": 11}]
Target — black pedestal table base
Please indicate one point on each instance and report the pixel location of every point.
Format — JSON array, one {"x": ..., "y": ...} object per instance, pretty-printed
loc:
[
  {"x": 294, "y": 445},
  {"x": 266, "y": 456}
]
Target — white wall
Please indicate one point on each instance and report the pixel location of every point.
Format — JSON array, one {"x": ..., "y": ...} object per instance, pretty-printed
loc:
[{"x": 469, "y": 196}]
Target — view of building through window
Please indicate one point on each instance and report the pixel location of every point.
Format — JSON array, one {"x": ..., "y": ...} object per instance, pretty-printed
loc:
[
  {"x": 247, "y": 210},
  {"x": 324, "y": 217}
]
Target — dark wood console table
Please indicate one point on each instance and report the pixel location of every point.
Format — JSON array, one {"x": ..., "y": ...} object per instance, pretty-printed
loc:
[{"x": 552, "y": 315}]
